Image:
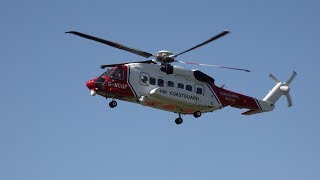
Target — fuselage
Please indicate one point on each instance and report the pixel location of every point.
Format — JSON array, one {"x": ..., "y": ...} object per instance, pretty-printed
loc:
[{"x": 183, "y": 91}]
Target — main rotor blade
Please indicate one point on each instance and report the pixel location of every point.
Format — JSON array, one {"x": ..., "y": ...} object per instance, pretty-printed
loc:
[
  {"x": 206, "y": 42},
  {"x": 112, "y": 65},
  {"x": 210, "y": 65},
  {"x": 113, "y": 44}
]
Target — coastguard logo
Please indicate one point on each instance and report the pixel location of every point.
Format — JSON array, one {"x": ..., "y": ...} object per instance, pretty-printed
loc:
[
  {"x": 183, "y": 95},
  {"x": 180, "y": 95}
]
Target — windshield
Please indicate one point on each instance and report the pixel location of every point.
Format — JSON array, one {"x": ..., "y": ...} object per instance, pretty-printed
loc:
[
  {"x": 107, "y": 73},
  {"x": 118, "y": 74}
]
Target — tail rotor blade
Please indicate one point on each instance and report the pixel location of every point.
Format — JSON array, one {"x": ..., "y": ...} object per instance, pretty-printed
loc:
[
  {"x": 294, "y": 74},
  {"x": 274, "y": 78},
  {"x": 289, "y": 100}
]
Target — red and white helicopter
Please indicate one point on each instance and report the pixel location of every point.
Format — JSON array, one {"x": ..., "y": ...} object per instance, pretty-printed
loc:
[{"x": 158, "y": 84}]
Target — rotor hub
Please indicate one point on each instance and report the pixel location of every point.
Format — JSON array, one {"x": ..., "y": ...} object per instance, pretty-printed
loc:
[
  {"x": 285, "y": 89},
  {"x": 164, "y": 57},
  {"x": 164, "y": 53}
]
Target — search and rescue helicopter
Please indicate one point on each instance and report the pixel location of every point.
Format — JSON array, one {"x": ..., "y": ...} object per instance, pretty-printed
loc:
[{"x": 159, "y": 84}]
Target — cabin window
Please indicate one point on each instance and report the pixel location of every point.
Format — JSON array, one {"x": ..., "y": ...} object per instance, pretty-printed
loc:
[
  {"x": 170, "y": 84},
  {"x": 199, "y": 91},
  {"x": 188, "y": 87},
  {"x": 160, "y": 82},
  {"x": 180, "y": 85},
  {"x": 153, "y": 81},
  {"x": 118, "y": 74}
]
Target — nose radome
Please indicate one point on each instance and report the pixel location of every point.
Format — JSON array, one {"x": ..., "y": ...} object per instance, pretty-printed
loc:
[{"x": 90, "y": 84}]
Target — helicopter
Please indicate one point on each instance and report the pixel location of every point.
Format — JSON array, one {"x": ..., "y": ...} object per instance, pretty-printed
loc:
[{"x": 157, "y": 83}]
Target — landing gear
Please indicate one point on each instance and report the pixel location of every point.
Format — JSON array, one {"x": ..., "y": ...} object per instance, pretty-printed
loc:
[
  {"x": 197, "y": 114},
  {"x": 179, "y": 120},
  {"x": 113, "y": 104}
]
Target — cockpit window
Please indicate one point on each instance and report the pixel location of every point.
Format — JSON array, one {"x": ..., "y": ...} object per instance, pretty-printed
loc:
[
  {"x": 118, "y": 74},
  {"x": 108, "y": 72}
]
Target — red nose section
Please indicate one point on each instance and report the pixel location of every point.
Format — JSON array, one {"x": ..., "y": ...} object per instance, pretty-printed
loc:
[{"x": 90, "y": 84}]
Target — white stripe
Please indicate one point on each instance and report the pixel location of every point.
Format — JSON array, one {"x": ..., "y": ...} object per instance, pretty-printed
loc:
[
  {"x": 128, "y": 78},
  {"x": 214, "y": 94},
  {"x": 257, "y": 101}
]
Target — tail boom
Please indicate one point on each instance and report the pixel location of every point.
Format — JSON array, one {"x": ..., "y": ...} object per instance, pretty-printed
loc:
[
  {"x": 229, "y": 98},
  {"x": 236, "y": 100}
]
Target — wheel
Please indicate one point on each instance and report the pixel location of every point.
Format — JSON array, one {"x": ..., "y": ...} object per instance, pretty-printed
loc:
[
  {"x": 197, "y": 114},
  {"x": 113, "y": 104},
  {"x": 178, "y": 121}
]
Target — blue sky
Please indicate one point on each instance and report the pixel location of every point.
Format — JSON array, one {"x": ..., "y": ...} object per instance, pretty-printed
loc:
[{"x": 51, "y": 128}]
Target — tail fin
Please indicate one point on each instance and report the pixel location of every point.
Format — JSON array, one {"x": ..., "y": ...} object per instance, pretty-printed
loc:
[{"x": 280, "y": 89}]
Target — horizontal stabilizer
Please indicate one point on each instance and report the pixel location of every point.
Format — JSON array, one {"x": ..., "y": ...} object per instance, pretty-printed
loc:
[{"x": 252, "y": 111}]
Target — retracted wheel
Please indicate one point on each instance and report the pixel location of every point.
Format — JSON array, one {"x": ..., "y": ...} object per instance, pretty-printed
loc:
[
  {"x": 113, "y": 104},
  {"x": 197, "y": 114},
  {"x": 179, "y": 120}
]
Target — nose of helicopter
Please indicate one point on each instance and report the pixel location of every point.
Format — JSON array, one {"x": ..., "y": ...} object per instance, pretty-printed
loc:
[{"x": 90, "y": 84}]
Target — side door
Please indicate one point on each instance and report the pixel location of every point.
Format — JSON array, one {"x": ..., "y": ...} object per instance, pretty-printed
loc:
[
  {"x": 199, "y": 90},
  {"x": 143, "y": 87}
]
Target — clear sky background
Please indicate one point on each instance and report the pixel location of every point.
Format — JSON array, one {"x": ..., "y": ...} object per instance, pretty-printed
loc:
[{"x": 51, "y": 128}]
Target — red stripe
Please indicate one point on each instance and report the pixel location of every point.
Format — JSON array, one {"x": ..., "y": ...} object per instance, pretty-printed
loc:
[{"x": 229, "y": 98}]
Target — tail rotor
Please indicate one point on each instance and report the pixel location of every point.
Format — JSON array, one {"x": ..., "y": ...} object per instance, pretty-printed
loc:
[{"x": 281, "y": 88}]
